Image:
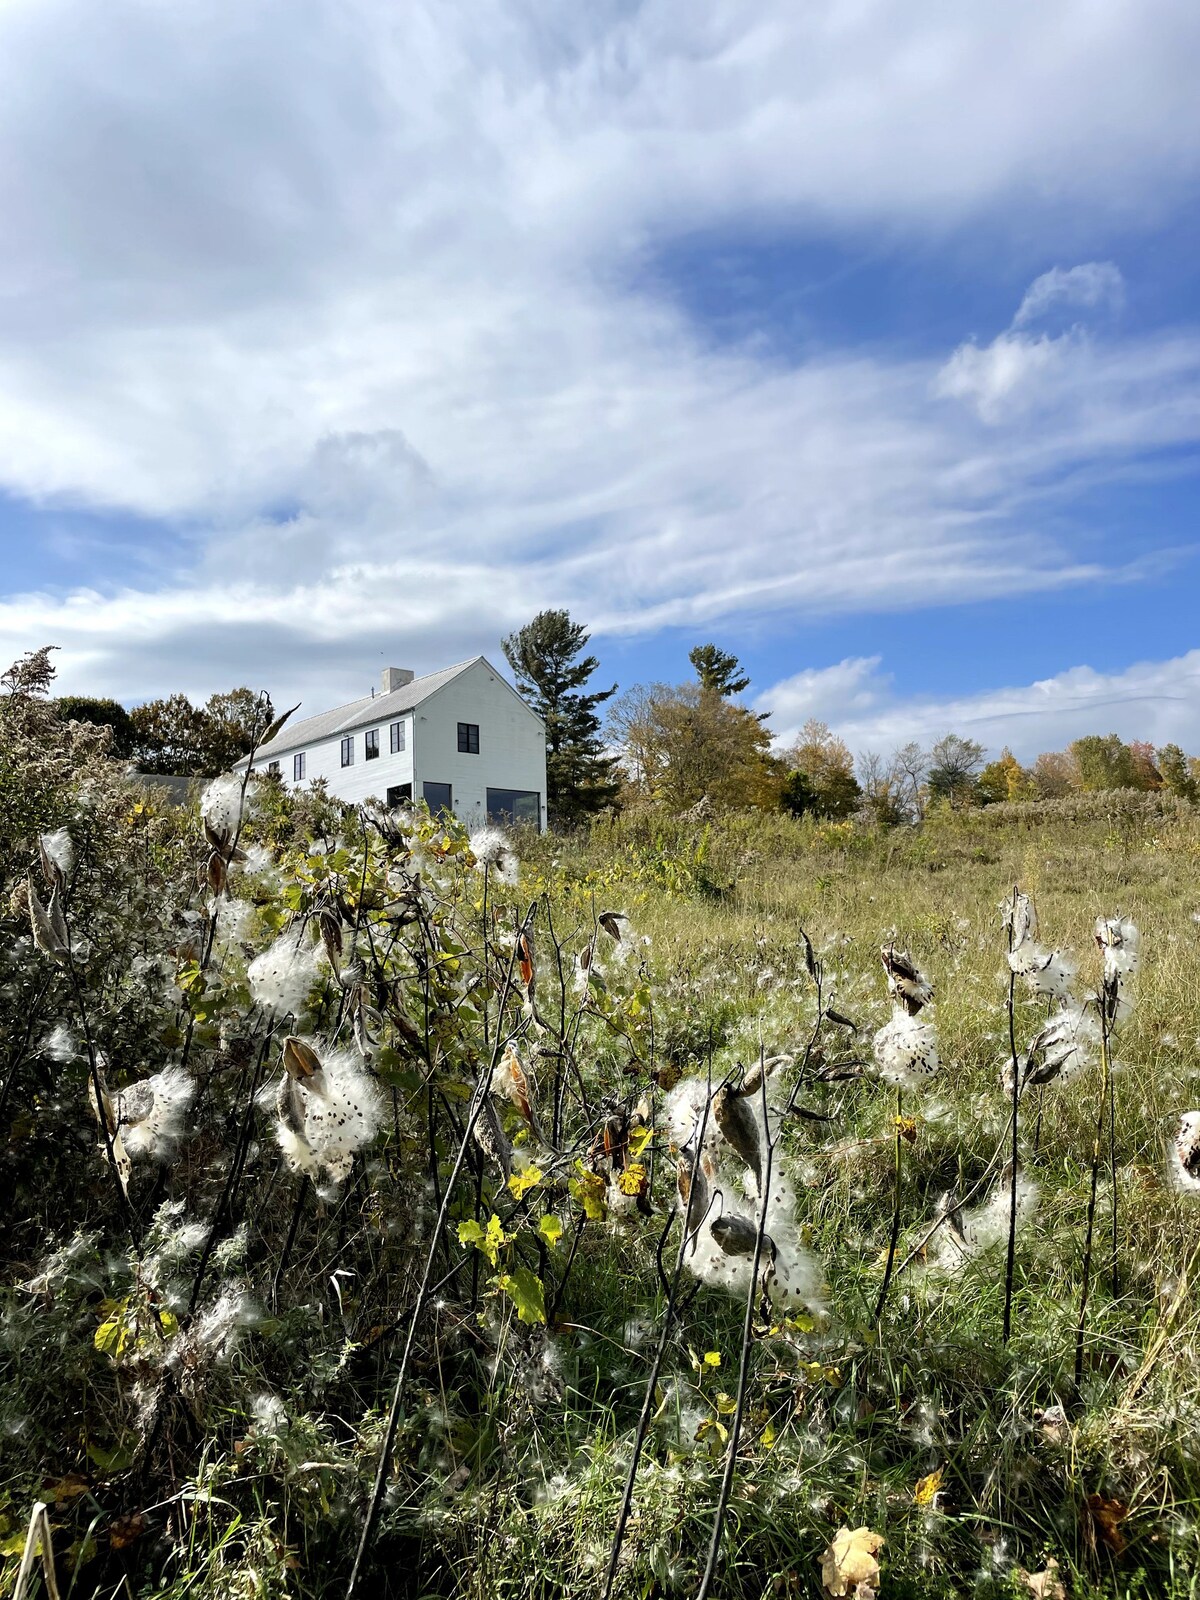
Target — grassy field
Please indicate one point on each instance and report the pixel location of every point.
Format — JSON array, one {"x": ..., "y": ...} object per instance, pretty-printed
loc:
[{"x": 978, "y": 1462}]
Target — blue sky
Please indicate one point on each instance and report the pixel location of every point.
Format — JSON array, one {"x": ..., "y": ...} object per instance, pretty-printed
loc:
[{"x": 862, "y": 339}]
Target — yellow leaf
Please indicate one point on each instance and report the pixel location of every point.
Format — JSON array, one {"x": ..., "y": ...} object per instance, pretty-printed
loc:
[
  {"x": 528, "y": 1178},
  {"x": 589, "y": 1190},
  {"x": 712, "y": 1358},
  {"x": 850, "y": 1560},
  {"x": 633, "y": 1179},
  {"x": 726, "y": 1404},
  {"x": 927, "y": 1488},
  {"x": 551, "y": 1229}
]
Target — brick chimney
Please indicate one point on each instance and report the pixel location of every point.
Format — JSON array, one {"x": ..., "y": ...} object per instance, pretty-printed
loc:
[{"x": 396, "y": 678}]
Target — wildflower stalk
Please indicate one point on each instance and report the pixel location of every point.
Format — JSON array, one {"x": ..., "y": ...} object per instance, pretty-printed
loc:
[
  {"x": 895, "y": 1235},
  {"x": 1011, "y": 1256},
  {"x": 1105, "y": 1051},
  {"x": 482, "y": 1082},
  {"x": 735, "y": 1430},
  {"x": 1089, "y": 1233},
  {"x": 664, "y": 1334}
]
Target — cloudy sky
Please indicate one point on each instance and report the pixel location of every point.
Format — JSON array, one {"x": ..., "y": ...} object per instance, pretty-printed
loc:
[{"x": 862, "y": 338}]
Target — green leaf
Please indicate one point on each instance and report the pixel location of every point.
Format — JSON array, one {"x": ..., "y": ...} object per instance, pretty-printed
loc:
[
  {"x": 470, "y": 1233},
  {"x": 525, "y": 1290}
]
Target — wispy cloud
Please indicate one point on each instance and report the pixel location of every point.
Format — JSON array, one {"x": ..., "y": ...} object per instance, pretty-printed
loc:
[
  {"x": 1155, "y": 700},
  {"x": 342, "y": 293},
  {"x": 1095, "y": 283}
]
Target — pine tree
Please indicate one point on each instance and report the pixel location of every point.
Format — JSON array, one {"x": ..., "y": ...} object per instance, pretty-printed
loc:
[
  {"x": 544, "y": 656},
  {"x": 718, "y": 671}
]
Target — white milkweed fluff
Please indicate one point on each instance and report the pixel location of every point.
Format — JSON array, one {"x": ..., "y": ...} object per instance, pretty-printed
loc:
[
  {"x": 223, "y": 803},
  {"x": 326, "y": 1118},
  {"x": 150, "y": 1114},
  {"x": 1065, "y": 1044},
  {"x": 963, "y": 1237},
  {"x": 1185, "y": 1153},
  {"x": 282, "y": 977},
  {"x": 491, "y": 849},
  {"x": 906, "y": 1050},
  {"x": 59, "y": 850},
  {"x": 1121, "y": 946},
  {"x": 1046, "y": 972},
  {"x": 724, "y": 1207}
]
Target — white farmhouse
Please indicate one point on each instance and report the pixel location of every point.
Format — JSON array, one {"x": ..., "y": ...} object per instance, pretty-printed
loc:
[{"x": 461, "y": 739}]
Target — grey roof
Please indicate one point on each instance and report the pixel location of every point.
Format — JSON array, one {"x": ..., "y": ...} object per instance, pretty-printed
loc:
[{"x": 365, "y": 712}]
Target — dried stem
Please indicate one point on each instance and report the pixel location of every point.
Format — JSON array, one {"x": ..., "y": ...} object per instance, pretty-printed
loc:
[
  {"x": 1011, "y": 1257},
  {"x": 482, "y": 1083},
  {"x": 895, "y": 1236},
  {"x": 1091, "y": 1211},
  {"x": 735, "y": 1430}
]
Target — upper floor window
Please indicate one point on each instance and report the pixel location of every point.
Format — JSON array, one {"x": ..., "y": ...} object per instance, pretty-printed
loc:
[
  {"x": 468, "y": 738},
  {"x": 397, "y": 733},
  {"x": 273, "y": 769},
  {"x": 371, "y": 740},
  {"x": 348, "y": 751},
  {"x": 298, "y": 765}
]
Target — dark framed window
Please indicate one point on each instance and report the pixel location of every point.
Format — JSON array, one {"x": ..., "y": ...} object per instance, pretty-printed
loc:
[
  {"x": 468, "y": 738},
  {"x": 514, "y": 805},
  {"x": 273, "y": 769},
  {"x": 397, "y": 734},
  {"x": 298, "y": 764},
  {"x": 348, "y": 751},
  {"x": 371, "y": 743},
  {"x": 437, "y": 797},
  {"x": 399, "y": 794}
]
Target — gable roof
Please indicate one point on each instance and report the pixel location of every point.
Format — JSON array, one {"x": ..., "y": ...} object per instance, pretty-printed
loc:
[{"x": 369, "y": 710}]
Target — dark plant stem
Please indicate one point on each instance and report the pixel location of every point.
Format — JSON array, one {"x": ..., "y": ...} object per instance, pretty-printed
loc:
[
  {"x": 1112, "y": 1148},
  {"x": 1011, "y": 1257},
  {"x": 487, "y": 1067},
  {"x": 664, "y": 1334},
  {"x": 895, "y": 1238},
  {"x": 297, "y": 1210},
  {"x": 1091, "y": 1211}
]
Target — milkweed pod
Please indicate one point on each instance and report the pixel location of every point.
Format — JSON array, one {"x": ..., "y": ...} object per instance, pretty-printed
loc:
[{"x": 300, "y": 1060}]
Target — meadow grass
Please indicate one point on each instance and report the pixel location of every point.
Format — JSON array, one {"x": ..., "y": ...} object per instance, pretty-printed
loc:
[{"x": 974, "y": 1459}]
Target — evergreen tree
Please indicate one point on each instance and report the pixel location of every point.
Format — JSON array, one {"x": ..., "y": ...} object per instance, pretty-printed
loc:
[
  {"x": 544, "y": 656},
  {"x": 718, "y": 671}
]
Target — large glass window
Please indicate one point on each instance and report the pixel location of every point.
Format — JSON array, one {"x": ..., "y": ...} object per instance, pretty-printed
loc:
[
  {"x": 371, "y": 741},
  {"x": 272, "y": 769},
  {"x": 437, "y": 797},
  {"x": 514, "y": 805},
  {"x": 468, "y": 738},
  {"x": 399, "y": 794},
  {"x": 348, "y": 751},
  {"x": 397, "y": 733},
  {"x": 298, "y": 765}
]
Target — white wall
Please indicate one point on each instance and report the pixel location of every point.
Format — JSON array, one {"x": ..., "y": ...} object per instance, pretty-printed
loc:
[
  {"x": 365, "y": 778},
  {"x": 512, "y": 749},
  {"x": 512, "y": 743}
]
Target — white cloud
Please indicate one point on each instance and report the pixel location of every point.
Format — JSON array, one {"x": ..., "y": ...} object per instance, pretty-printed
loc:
[
  {"x": 1017, "y": 370},
  {"x": 344, "y": 292},
  {"x": 999, "y": 377},
  {"x": 1155, "y": 700},
  {"x": 1095, "y": 283}
]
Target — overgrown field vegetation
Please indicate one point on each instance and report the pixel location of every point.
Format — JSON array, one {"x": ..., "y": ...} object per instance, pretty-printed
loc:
[{"x": 318, "y": 1120}]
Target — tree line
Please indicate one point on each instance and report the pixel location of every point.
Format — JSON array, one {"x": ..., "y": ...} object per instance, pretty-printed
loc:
[
  {"x": 686, "y": 744},
  {"x": 679, "y": 745}
]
